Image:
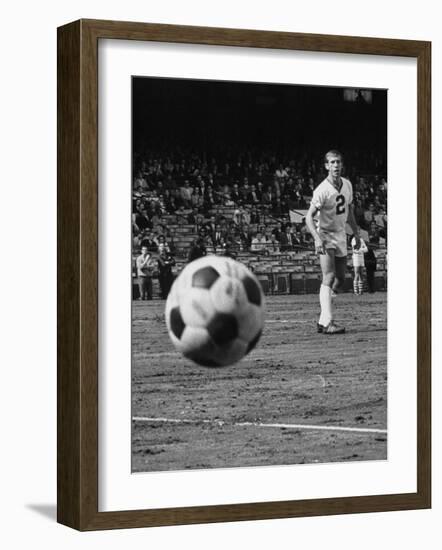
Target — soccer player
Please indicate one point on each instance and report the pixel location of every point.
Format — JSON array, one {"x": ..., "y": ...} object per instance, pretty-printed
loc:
[
  {"x": 332, "y": 201},
  {"x": 358, "y": 265}
]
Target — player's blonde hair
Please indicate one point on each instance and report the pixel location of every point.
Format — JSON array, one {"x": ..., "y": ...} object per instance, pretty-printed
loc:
[{"x": 334, "y": 153}]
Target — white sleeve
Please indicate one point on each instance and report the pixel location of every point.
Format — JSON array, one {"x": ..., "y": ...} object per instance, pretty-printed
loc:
[
  {"x": 318, "y": 199},
  {"x": 350, "y": 188}
]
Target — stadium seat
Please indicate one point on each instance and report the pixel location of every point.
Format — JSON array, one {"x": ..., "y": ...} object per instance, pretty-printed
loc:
[
  {"x": 312, "y": 282},
  {"x": 265, "y": 280},
  {"x": 281, "y": 282},
  {"x": 297, "y": 283}
]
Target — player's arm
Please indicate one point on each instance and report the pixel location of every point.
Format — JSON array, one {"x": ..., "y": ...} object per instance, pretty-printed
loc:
[
  {"x": 363, "y": 247},
  {"x": 351, "y": 220},
  {"x": 319, "y": 245}
]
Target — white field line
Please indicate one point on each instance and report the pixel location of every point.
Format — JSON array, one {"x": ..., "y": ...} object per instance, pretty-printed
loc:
[
  {"x": 259, "y": 424},
  {"x": 294, "y": 321}
]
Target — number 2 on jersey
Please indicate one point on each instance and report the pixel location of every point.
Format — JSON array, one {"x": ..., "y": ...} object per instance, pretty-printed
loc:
[{"x": 340, "y": 204}]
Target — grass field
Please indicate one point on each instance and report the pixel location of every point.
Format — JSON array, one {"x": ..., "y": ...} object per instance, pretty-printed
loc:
[{"x": 299, "y": 397}]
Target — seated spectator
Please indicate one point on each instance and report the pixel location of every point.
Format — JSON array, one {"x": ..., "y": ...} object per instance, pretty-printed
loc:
[
  {"x": 140, "y": 183},
  {"x": 272, "y": 245},
  {"x": 199, "y": 221},
  {"x": 142, "y": 221},
  {"x": 281, "y": 172},
  {"x": 227, "y": 200},
  {"x": 255, "y": 217},
  {"x": 191, "y": 218},
  {"x": 238, "y": 215},
  {"x": 186, "y": 194},
  {"x": 381, "y": 191},
  {"x": 235, "y": 194},
  {"x": 209, "y": 201},
  {"x": 359, "y": 212},
  {"x": 181, "y": 215},
  {"x": 369, "y": 215},
  {"x": 217, "y": 235},
  {"x": 170, "y": 204},
  {"x": 157, "y": 219},
  {"x": 210, "y": 226},
  {"x": 259, "y": 191},
  {"x": 243, "y": 237},
  {"x": 268, "y": 196},
  {"x": 277, "y": 186},
  {"x": 381, "y": 218},
  {"x": 288, "y": 239},
  {"x": 277, "y": 231},
  {"x": 373, "y": 233},
  {"x": 258, "y": 245},
  {"x": 371, "y": 192},
  {"x": 196, "y": 199},
  {"x": 245, "y": 190}
]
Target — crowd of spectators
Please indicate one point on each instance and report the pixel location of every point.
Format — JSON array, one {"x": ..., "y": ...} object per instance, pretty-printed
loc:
[{"x": 190, "y": 189}]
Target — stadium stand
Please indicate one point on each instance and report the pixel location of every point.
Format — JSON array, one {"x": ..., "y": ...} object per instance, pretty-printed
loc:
[{"x": 250, "y": 208}]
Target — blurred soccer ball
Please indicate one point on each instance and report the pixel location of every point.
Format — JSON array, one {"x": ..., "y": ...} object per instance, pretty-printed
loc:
[{"x": 215, "y": 311}]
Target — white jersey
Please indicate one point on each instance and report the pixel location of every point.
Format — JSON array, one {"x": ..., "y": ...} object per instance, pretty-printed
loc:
[
  {"x": 359, "y": 253},
  {"x": 333, "y": 205}
]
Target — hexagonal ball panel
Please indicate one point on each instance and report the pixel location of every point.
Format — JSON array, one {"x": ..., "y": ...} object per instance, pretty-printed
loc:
[
  {"x": 223, "y": 328},
  {"x": 204, "y": 277},
  {"x": 177, "y": 325},
  {"x": 252, "y": 290}
]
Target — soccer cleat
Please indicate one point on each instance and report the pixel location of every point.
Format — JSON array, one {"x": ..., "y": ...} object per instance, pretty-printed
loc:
[
  {"x": 331, "y": 328},
  {"x": 320, "y": 328}
]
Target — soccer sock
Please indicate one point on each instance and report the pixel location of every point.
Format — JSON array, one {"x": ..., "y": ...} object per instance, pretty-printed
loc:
[
  {"x": 361, "y": 286},
  {"x": 325, "y": 299},
  {"x": 355, "y": 286}
]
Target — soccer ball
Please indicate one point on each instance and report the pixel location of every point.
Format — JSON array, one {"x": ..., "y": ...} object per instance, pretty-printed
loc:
[{"x": 215, "y": 311}]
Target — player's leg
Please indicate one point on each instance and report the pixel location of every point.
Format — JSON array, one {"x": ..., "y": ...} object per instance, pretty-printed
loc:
[
  {"x": 327, "y": 262},
  {"x": 340, "y": 241},
  {"x": 357, "y": 279},
  {"x": 332, "y": 267},
  {"x": 340, "y": 269}
]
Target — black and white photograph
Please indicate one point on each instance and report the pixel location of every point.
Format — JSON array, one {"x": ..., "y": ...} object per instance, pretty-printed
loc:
[{"x": 259, "y": 274}]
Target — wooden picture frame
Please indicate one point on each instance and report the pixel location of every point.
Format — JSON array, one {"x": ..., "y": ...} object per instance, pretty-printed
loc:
[{"x": 78, "y": 274}]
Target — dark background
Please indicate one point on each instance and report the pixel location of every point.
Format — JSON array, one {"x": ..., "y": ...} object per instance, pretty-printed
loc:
[{"x": 223, "y": 118}]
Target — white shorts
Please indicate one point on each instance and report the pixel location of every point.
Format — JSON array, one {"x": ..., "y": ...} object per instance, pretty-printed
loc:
[
  {"x": 358, "y": 260},
  {"x": 337, "y": 241}
]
